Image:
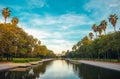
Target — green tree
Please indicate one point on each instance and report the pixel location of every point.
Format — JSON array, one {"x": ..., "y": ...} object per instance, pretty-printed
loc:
[
  {"x": 99, "y": 28},
  {"x": 15, "y": 20},
  {"x": 74, "y": 47},
  {"x": 113, "y": 20},
  {"x": 91, "y": 35},
  {"x": 94, "y": 27},
  {"x": 104, "y": 25},
  {"x": 6, "y": 13}
]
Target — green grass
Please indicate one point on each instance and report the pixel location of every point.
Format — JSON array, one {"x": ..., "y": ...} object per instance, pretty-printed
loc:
[{"x": 25, "y": 60}]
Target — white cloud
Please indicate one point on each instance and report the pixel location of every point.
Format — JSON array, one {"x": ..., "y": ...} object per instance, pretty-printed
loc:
[
  {"x": 102, "y": 8},
  {"x": 59, "y": 45},
  {"x": 36, "y": 3},
  {"x": 62, "y": 22},
  {"x": 1, "y": 20},
  {"x": 56, "y": 43},
  {"x": 56, "y": 40}
]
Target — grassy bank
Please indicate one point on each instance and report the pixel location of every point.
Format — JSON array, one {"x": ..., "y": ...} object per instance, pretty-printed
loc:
[
  {"x": 21, "y": 60},
  {"x": 25, "y": 60}
]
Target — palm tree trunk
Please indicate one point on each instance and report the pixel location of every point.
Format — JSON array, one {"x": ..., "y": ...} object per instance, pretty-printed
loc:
[
  {"x": 96, "y": 34},
  {"x": 118, "y": 55},
  {"x": 114, "y": 28},
  {"x": 5, "y": 20},
  {"x": 105, "y": 32}
]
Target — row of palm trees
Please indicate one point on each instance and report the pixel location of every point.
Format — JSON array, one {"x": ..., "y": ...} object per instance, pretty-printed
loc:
[
  {"x": 103, "y": 25},
  {"x": 6, "y": 14},
  {"x": 99, "y": 28}
]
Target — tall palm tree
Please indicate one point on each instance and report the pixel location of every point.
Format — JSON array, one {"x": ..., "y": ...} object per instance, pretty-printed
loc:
[
  {"x": 113, "y": 20},
  {"x": 94, "y": 27},
  {"x": 99, "y": 29},
  {"x": 91, "y": 35},
  {"x": 15, "y": 20},
  {"x": 104, "y": 25},
  {"x": 6, "y": 13}
]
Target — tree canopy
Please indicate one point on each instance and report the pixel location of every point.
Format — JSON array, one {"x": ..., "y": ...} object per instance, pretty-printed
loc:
[{"x": 15, "y": 42}]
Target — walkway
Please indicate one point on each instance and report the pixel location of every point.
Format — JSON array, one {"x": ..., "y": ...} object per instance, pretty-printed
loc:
[
  {"x": 113, "y": 66},
  {"x": 6, "y": 66}
]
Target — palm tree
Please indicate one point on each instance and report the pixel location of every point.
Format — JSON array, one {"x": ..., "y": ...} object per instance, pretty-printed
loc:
[
  {"x": 99, "y": 29},
  {"x": 94, "y": 27},
  {"x": 74, "y": 47},
  {"x": 113, "y": 20},
  {"x": 91, "y": 35},
  {"x": 6, "y": 13},
  {"x": 15, "y": 20},
  {"x": 78, "y": 44},
  {"x": 104, "y": 25}
]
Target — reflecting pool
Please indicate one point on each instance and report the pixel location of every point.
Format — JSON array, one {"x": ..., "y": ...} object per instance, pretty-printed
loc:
[{"x": 60, "y": 69}]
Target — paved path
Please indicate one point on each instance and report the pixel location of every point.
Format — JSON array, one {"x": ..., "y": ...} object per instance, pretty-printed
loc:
[
  {"x": 6, "y": 66},
  {"x": 113, "y": 66}
]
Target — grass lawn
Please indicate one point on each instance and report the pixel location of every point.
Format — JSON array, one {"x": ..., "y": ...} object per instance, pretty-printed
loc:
[
  {"x": 25, "y": 60},
  {"x": 21, "y": 60}
]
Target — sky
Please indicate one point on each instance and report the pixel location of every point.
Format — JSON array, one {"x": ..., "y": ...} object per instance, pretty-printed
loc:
[{"x": 59, "y": 24}]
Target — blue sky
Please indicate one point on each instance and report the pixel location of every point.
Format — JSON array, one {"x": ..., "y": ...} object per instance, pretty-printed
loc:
[{"x": 60, "y": 23}]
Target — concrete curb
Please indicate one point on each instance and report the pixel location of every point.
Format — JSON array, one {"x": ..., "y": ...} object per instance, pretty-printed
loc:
[
  {"x": 8, "y": 66},
  {"x": 112, "y": 66}
]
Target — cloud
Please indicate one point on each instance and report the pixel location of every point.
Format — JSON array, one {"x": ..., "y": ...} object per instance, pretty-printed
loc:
[
  {"x": 36, "y": 3},
  {"x": 54, "y": 41},
  {"x": 102, "y": 8},
  {"x": 61, "y": 22},
  {"x": 59, "y": 45},
  {"x": 57, "y": 32}
]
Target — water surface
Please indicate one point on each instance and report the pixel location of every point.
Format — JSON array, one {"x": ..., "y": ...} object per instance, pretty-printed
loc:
[{"x": 61, "y": 69}]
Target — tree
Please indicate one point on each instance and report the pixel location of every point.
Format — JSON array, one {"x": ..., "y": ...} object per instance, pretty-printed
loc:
[
  {"x": 99, "y": 29},
  {"x": 15, "y": 20},
  {"x": 113, "y": 20},
  {"x": 79, "y": 44},
  {"x": 91, "y": 35},
  {"x": 44, "y": 50},
  {"x": 86, "y": 40},
  {"x": 104, "y": 25},
  {"x": 6, "y": 13},
  {"x": 74, "y": 47},
  {"x": 94, "y": 27}
]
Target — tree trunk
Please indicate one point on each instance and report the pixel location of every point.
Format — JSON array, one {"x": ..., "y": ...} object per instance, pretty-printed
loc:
[
  {"x": 96, "y": 34},
  {"x": 1, "y": 57},
  {"x": 118, "y": 56},
  {"x": 114, "y": 28},
  {"x": 5, "y": 20},
  {"x": 105, "y": 57},
  {"x": 105, "y": 32}
]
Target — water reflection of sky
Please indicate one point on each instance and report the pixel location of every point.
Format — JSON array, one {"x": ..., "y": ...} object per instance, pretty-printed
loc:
[{"x": 59, "y": 70}]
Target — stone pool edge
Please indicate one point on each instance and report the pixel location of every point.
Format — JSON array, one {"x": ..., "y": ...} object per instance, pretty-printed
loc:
[
  {"x": 8, "y": 66},
  {"x": 106, "y": 65}
]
